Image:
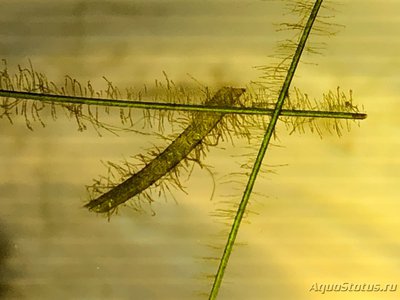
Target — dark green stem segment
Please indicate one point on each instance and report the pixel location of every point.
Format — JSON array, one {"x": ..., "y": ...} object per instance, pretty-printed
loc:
[
  {"x": 178, "y": 150},
  {"x": 177, "y": 106},
  {"x": 262, "y": 151}
]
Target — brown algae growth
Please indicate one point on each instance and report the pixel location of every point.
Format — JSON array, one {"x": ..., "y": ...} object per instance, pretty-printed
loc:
[{"x": 167, "y": 160}]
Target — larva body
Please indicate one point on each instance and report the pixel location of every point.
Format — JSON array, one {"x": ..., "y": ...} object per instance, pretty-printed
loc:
[{"x": 177, "y": 151}]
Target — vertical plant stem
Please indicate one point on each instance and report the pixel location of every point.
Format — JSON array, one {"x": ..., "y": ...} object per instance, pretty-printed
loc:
[{"x": 261, "y": 153}]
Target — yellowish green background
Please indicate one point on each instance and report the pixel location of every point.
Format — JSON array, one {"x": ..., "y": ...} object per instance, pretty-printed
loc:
[{"x": 329, "y": 216}]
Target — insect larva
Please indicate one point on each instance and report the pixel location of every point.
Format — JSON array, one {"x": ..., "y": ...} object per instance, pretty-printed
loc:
[{"x": 163, "y": 163}]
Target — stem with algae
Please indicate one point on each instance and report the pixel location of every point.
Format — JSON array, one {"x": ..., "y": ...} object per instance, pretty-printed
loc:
[
  {"x": 182, "y": 107},
  {"x": 262, "y": 151},
  {"x": 168, "y": 159}
]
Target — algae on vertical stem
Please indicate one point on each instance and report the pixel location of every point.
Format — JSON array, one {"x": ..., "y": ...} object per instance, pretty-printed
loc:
[{"x": 260, "y": 156}]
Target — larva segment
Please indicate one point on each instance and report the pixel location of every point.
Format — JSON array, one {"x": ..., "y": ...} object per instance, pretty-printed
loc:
[{"x": 167, "y": 160}]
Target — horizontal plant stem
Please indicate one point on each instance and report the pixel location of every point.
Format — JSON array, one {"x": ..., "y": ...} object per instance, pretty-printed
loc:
[{"x": 181, "y": 107}]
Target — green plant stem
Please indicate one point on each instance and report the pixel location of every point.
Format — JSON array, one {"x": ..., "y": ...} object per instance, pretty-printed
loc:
[
  {"x": 182, "y": 107},
  {"x": 261, "y": 153},
  {"x": 168, "y": 159}
]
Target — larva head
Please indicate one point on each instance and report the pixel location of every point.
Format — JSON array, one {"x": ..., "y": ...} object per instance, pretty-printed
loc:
[{"x": 229, "y": 95}]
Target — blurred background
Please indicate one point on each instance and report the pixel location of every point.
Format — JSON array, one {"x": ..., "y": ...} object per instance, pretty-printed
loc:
[{"x": 329, "y": 216}]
